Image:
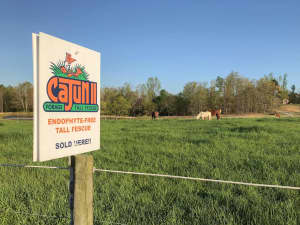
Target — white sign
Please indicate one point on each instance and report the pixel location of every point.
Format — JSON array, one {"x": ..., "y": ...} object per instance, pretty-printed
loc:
[{"x": 66, "y": 98}]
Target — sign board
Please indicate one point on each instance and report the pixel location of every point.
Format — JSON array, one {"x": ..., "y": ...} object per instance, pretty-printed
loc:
[{"x": 66, "y": 98}]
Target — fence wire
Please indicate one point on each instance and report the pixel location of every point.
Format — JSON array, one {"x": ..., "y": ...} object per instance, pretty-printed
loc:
[
  {"x": 198, "y": 179},
  {"x": 30, "y": 166},
  {"x": 163, "y": 175},
  {"x": 9, "y": 210}
]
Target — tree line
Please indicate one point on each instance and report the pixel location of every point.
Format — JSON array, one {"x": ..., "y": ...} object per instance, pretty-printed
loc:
[
  {"x": 17, "y": 98},
  {"x": 233, "y": 94}
]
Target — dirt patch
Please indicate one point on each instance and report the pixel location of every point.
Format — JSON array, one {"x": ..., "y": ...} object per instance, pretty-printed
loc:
[
  {"x": 289, "y": 108},
  {"x": 247, "y": 115},
  {"x": 16, "y": 114},
  {"x": 177, "y": 117}
]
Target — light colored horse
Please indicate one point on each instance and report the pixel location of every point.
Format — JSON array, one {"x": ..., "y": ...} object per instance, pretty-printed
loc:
[{"x": 204, "y": 115}]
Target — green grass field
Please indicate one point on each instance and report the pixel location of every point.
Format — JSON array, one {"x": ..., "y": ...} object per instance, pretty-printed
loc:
[{"x": 262, "y": 150}]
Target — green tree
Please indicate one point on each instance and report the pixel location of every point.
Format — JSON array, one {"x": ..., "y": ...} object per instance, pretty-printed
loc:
[
  {"x": 120, "y": 106},
  {"x": 131, "y": 96},
  {"x": 220, "y": 84},
  {"x": 293, "y": 95},
  {"x": 149, "y": 91},
  {"x": 189, "y": 95},
  {"x": 153, "y": 87},
  {"x": 2, "y": 89},
  {"x": 164, "y": 103},
  {"x": 181, "y": 105},
  {"x": 108, "y": 95},
  {"x": 10, "y": 101}
]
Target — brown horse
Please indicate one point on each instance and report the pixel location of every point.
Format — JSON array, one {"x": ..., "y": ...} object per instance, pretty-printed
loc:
[
  {"x": 277, "y": 115},
  {"x": 155, "y": 115},
  {"x": 216, "y": 113}
]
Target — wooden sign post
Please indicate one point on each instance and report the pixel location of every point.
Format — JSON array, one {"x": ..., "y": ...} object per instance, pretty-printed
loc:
[{"x": 81, "y": 190}]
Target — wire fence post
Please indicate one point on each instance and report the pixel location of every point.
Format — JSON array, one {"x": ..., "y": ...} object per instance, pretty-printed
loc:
[{"x": 81, "y": 190}]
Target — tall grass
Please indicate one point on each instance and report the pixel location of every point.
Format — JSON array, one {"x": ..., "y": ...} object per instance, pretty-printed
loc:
[{"x": 252, "y": 150}]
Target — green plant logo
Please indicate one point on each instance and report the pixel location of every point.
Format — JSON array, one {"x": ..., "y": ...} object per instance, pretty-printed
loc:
[{"x": 64, "y": 69}]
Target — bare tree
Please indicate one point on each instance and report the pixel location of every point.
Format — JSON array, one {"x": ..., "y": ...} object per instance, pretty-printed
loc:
[{"x": 24, "y": 95}]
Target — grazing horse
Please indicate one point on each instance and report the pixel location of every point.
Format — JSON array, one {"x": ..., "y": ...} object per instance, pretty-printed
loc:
[
  {"x": 204, "y": 115},
  {"x": 277, "y": 115},
  {"x": 216, "y": 113},
  {"x": 155, "y": 115}
]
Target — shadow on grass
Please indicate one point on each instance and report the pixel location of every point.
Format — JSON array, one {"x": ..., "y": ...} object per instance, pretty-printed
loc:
[
  {"x": 200, "y": 142},
  {"x": 1, "y": 124},
  {"x": 279, "y": 120},
  {"x": 13, "y": 136},
  {"x": 263, "y": 119},
  {"x": 247, "y": 129}
]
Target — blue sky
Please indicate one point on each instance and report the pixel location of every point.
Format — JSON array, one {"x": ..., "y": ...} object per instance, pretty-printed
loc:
[{"x": 177, "y": 41}]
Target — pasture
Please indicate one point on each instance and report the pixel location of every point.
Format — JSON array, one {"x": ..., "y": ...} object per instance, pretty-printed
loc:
[{"x": 258, "y": 150}]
